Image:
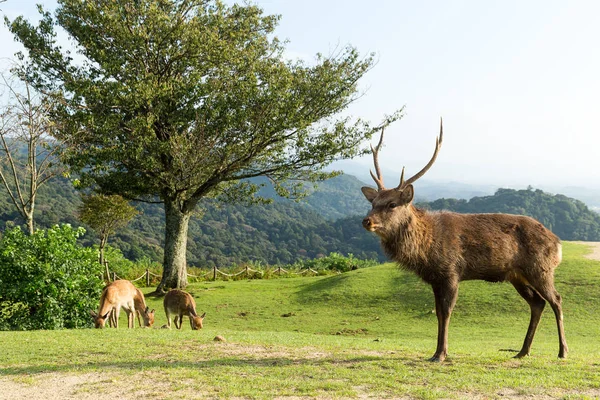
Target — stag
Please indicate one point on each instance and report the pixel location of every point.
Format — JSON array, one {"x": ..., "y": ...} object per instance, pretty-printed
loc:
[{"x": 445, "y": 248}]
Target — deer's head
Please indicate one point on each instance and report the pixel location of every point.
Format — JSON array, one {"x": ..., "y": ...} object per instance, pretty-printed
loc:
[
  {"x": 148, "y": 317},
  {"x": 197, "y": 322},
  {"x": 391, "y": 207},
  {"x": 99, "y": 320}
]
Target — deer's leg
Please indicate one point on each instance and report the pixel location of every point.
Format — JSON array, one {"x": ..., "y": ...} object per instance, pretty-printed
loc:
[
  {"x": 551, "y": 295},
  {"x": 168, "y": 318},
  {"x": 445, "y": 299},
  {"x": 113, "y": 318},
  {"x": 116, "y": 312},
  {"x": 537, "y": 304},
  {"x": 130, "y": 311}
]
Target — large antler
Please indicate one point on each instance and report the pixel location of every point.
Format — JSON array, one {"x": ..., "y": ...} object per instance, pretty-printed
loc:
[
  {"x": 438, "y": 144},
  {"x": 379, "y": 178}
]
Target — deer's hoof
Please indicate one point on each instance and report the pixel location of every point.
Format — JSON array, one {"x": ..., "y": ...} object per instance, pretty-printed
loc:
[{"x": 521, "y": 354}]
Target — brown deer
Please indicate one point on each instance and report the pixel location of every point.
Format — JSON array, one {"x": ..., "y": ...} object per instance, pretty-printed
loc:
[
  {"x": 182, "y": 303},
  {"x": 445, "y": 248},
  {"x": 117, "y": 294}
]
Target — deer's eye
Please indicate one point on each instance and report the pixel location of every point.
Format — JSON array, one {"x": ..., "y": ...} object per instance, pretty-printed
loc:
[{"x": 393, "y": 205}]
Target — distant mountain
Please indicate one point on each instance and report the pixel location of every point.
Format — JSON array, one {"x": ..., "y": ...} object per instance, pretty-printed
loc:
[
  {"x": 589, "y": 195},
  {"x": 337, "y": 198},
  {"x": 426, "y": 190},
  {"x": 568, "y": 218},
  {"x": 328, "y": 220}
]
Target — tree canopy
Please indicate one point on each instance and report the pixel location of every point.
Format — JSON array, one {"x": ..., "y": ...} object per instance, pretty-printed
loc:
[
  {"x": 178, "y": 100},
  {"x": 105, "y": 214}
]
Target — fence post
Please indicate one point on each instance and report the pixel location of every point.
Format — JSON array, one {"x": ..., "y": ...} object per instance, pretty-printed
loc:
[
  {"x": 215, "y": 273},
  {"x": 279, "y": 270},
  {"x": 114, "y": 276},
  {"x": 107, "y": 271},
  {"x": 247, "y": 272},
  {"x": 147, "y": 277}
]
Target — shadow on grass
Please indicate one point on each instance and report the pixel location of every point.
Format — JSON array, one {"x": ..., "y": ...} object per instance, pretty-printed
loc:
[
  {"x": 402, "y": 292},
  {"x": 324, "y": 285},
  {"x": 268, "y": 362}
]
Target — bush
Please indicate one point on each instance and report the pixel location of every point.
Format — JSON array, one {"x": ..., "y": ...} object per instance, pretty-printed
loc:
[
  {"x": 338, "y": 262},
  {"x": 117, "y": 263},
  {"x": 47, "y": 280}
]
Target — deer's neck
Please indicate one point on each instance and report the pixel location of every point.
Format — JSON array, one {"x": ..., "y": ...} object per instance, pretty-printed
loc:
[
  {"x": 411, "y": 244},
  {"x": 139, "y": 302}
]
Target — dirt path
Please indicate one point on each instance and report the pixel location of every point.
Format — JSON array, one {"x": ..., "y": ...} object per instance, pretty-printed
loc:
[
  {"x": 595, "y": 247},
  {"x": 49, "y": 386}
]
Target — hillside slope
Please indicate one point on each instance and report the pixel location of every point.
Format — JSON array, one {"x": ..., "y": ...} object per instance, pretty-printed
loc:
[
  {"x": 568, "y": 218},
  {"x": 329, "y": 220}
]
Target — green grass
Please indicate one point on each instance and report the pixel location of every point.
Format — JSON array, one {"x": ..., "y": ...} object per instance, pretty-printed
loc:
[{"x": 363, "y": 333}]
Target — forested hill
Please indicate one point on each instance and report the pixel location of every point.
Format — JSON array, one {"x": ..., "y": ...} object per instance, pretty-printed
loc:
[
  {"x": 568, "y": 218},
  {"x": 329, "y": 220}
]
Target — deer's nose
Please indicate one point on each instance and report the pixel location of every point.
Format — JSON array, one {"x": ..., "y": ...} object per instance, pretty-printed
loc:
[{"x": 366, "y": 222}]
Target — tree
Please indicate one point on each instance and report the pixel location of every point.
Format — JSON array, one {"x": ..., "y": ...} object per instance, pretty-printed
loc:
[
  {"x": 105, "y": 214},
  {"x": 24, "y": 124},
  {"x": 179, "y": 100}
]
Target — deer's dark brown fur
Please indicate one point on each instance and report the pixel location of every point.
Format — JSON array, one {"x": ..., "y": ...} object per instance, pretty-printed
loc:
[{"x": 445, "y": 248}]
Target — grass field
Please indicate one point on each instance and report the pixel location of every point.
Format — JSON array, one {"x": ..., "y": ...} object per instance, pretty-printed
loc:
[{"x": 363, "y": 334}]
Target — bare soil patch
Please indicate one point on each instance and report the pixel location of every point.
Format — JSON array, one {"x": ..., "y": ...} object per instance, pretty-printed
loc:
[{"x": 595, "y": 247}]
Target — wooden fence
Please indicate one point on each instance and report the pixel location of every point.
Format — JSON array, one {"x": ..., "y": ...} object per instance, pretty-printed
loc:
[{"x": 215, "y": 272}]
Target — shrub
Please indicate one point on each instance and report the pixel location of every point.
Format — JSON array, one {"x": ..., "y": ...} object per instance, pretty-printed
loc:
[
  {"x": 47, "y": 280},
  {"x": 338, "y": 262},
  {"x": 117, "y": 263}
]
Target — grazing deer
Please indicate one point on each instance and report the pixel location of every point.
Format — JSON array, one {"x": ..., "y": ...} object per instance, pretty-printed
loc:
[
  {"x": 445, "y": 248},
  {"x": 117, "y": 294},
  {"x": 182, "y": 303}
]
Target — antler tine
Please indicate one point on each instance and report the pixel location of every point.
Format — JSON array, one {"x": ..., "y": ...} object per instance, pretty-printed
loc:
[
  {"x": 402, "y": 177},
  {"x": 379, "y": 178},
  {"x": 438, "y": 145}
]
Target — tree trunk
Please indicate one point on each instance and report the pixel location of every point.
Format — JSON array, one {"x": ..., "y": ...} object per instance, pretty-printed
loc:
[
  {"x": 176, "y": 231},
  {"x": 29, "y": 220},
  {"x": 103, "y": 262}
]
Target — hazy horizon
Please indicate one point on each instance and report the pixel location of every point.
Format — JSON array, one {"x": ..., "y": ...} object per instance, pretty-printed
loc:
[{"x": 514, "y": 81}]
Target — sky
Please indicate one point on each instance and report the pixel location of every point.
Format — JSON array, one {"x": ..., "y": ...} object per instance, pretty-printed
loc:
[{"x": 516, "y": 82}]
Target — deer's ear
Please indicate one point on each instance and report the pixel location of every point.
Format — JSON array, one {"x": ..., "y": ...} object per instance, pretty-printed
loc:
[
  {"x": 93, "y": 314},
  {"x": 369, "y": 193},
  {"x": 203, "y": 315},
  {"x": 105, "y": 315},
  {"x": 407, "y": 194}
]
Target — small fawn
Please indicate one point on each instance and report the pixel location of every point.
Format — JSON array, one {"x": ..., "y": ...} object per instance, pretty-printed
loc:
[
  {"x": 182, "y": 303},
  {"x": 117, "y": 294}
]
